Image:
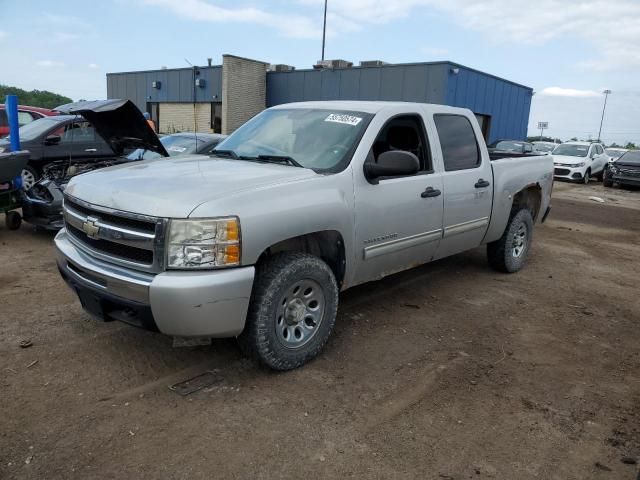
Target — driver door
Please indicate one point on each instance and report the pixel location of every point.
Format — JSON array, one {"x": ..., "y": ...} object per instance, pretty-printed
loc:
[{"x": 397, "y": 225}]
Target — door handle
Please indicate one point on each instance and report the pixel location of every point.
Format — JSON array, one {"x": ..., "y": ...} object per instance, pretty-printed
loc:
[
  {"x": 92, "y": 150},
  {"x": 481, "y": 183},
  {"x": 430, "y": 192}
]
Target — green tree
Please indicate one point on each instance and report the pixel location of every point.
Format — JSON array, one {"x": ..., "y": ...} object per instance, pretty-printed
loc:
[
  {"x": 630, "y": 146},
  {"x": 34, "y": 98}
]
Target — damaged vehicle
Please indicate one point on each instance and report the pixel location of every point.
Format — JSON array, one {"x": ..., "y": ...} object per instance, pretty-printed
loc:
[
  {"x": 42, "y": 203},
  {"x": 303, "y": 201}
]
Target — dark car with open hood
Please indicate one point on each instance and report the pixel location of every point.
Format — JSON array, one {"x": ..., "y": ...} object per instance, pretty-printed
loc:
[
  {"x": 623, "y": 171},
  {"x": 122, "y": 128}
]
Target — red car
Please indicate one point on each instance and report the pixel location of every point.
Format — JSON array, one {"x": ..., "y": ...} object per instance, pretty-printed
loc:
[{"x": 25, "y": 115}]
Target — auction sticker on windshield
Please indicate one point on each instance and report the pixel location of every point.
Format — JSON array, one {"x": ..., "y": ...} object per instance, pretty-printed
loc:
[
  {"x": 177, "y": 149},
  {"x": 346, "y": 119}
]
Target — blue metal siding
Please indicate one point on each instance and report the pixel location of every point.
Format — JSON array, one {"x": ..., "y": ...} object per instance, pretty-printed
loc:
[
  {"x": 414, "y": 83},
  {"x": 508, "y": 104}
]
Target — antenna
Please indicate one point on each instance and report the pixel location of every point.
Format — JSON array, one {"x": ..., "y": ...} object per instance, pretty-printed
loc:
[{"x": 324, "y": 28}]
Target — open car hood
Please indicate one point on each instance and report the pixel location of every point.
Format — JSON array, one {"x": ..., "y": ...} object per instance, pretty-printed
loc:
[{"x": 119, "y": 122}]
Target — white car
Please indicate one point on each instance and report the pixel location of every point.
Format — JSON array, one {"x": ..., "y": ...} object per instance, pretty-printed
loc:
[
  {"x": 544, "y": 148},
  {"x": 615, "y": 153},
  {"x": 578, "y": 161}
]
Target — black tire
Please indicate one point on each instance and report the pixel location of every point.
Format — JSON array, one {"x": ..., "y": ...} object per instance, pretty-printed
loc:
[
  {"x": 12, "y": 220},
  {"x": 501, "y": 253},
  {"x": 606, "y": 180},
  {"x": 274, "y": 286},
  {"x": 587, "y": 176},
  {"x": 600, "y": 176},
  {"x": 29, "y": 177}
]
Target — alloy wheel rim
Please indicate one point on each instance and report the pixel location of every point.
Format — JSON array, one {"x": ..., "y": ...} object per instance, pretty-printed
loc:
[
  {"x": 28, "y": 179},
  {"x": 519, "y": 243},
  {"x": 299, "y": 314}
]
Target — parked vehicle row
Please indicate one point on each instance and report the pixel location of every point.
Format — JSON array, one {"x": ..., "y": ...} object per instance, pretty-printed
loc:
[
  {"x": 26, "y": 115},
  {"x": 302, "y": 201}
]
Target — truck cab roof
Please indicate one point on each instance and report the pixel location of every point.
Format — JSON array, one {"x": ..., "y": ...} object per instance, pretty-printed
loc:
[{"x": 372, "y": 107}]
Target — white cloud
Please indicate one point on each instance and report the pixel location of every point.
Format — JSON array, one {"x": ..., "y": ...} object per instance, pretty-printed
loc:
[
  {"x": 568, "y": 92},
  {"x": 93, "y": 66},
  {"x": 290, "y": 25},
  {"x": 611, "y": 26},
  {"x": 49, "y": 63}
]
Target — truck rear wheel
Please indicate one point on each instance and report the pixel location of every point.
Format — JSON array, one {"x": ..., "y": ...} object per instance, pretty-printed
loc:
[
  {"x": 509, "y": 253},
  {"x": 292, "y": 312}
]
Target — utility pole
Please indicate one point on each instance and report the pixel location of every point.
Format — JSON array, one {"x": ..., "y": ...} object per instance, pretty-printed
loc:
[
  {"x": 324, "y": 28},
  {"x": 606, "y": 94}
]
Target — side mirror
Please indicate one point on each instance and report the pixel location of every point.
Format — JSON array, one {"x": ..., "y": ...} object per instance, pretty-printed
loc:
[
  {"x": 394, "y": 163},
  {"x": 52, "y": 140}
]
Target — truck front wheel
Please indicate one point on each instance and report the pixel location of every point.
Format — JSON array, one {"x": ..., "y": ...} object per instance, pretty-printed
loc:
[
  {"x": 509, "y": 253},
  {"x": 292, "y": 312}
]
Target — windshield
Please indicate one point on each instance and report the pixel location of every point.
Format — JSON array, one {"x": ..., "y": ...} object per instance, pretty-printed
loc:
[
  {"x": 571, "y": 150},
  {"x": 614, "y": 153},
  {"x": 630, "y": 157},
  {"x": 312, "y": 138},
  {"x": 509, "y": 146},
  {"x": 173, "y": 144},
  {"x": 541, "y": 147},
  {"x": 33, "y": 130}
]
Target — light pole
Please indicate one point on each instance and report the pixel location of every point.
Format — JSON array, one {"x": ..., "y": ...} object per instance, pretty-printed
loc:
[
  {"x": 606, "y": 94},
  {"x": 324, "y": 28}
]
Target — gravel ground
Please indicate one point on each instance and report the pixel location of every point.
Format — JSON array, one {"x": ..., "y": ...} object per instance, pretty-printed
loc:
[{"x": 448, "y": 371}]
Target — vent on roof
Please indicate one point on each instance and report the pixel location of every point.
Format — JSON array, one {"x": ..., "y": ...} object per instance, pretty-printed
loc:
[
  {"x": 328, "y": 64},
  {"x": 281, "y": 67},
  {"x": 373, "y": 63}
]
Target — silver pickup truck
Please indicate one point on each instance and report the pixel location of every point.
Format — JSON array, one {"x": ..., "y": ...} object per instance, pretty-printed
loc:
[{"x": 301, "y": 202}]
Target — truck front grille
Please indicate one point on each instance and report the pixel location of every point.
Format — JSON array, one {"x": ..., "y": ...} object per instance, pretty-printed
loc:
[
  {"x": 118, "y": 237},
  {"x": 629, "y": 172},
  {"x": 562, "y": 171}
]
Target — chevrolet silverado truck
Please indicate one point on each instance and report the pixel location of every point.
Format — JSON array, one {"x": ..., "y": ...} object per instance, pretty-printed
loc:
[{"x": 303, "y": 201}]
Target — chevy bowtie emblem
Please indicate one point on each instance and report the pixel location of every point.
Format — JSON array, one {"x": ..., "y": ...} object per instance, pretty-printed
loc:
[{"x": 90, "y": 227}]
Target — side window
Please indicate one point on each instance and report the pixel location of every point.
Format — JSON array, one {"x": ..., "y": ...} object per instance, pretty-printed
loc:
[
  {"x": 24, "y": 118},
  {"x": 406, "y": 133},
  {"x": 458, "y": 142},
  {"x": 77, "y": 132},
  {"x": 599, "y": 149}
]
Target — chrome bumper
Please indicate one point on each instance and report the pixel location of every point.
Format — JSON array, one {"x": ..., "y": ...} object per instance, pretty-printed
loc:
[{"x": 185, "y": 304}]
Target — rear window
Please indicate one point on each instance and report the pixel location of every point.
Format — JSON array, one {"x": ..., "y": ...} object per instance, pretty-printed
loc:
[{"x": 458, "y": 142}]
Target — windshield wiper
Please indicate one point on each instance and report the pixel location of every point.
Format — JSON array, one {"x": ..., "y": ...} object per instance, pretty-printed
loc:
[
  {"x": 225, "y": 153},
  {"x": 279, "y": 159}
]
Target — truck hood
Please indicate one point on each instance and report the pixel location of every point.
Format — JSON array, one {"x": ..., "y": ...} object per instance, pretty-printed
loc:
[
  {"x": 119, "y": 123},
  {"x": 568, "y": 159},
  {"x": 174, "y": 187}
]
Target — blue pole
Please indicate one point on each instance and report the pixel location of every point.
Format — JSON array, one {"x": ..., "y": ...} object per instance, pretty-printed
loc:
[{"x": 11, "y": 106}]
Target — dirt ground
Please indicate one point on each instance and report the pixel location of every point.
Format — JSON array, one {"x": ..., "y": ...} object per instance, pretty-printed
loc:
[{"x": 448, "y": 371}]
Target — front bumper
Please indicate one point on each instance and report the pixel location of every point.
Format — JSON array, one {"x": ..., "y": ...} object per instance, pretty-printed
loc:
[
  {"x": 44, "y": 210},
  {"x": 625, "y": 180},
  {"x": 566, "y": 172},
  {"x": 178, "y": 303}
]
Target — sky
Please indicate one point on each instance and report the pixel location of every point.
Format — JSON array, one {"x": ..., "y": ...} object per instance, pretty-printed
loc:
[{"x": 568, "y": 51}]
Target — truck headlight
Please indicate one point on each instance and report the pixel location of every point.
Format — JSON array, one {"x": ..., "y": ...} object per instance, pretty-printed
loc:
[{"x": 203, "y": 243}]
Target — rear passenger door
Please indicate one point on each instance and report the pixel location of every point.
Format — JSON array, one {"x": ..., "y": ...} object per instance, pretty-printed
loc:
[{"x": 467, "y": 184}]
